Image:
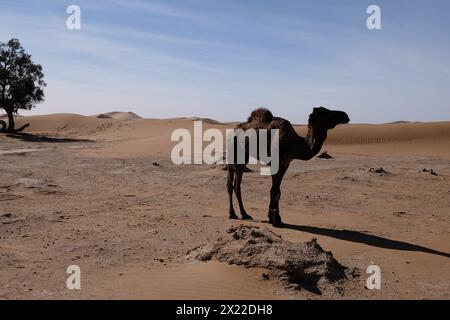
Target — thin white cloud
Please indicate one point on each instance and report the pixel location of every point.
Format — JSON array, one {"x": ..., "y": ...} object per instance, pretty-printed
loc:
[{"x": 153, "y": 8}]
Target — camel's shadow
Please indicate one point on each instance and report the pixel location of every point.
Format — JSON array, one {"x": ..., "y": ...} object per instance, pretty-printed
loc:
[{"x": 361, "y": 237}]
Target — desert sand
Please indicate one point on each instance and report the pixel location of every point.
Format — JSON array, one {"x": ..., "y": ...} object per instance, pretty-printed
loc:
[{"x": 101, "y": 192}]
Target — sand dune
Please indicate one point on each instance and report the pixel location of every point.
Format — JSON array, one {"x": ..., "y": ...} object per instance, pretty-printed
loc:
[
  {"x": 401, "y": 132},
  {"x": 66, "y": 123},
  {"x": 121, "y": 116},
  {"x": 390, "y": 133},
  {"x": 142, "y": 134},
  {"x": 206, "y": 120}
]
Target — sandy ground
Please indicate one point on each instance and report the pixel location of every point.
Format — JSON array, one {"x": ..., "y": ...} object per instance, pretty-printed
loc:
[{"x": 102, "y": 193}]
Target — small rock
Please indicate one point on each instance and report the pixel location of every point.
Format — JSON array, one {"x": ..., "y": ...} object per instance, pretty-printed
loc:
[
  {"x": 399, "y": 213},
  {"x": 265, "y": 276},
  {"x": 324, "y": 155},
  {"x": 380, "y": 171},
  {"x": 430, "y": 171}
]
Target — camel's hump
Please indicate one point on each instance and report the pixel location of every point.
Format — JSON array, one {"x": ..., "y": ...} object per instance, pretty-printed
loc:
[{"x": 260, "y": 115}]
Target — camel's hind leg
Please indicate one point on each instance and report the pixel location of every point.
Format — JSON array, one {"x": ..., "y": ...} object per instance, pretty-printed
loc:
[
  {"x": 237, "y": 190},
  {"x": 230, "y": 180}
]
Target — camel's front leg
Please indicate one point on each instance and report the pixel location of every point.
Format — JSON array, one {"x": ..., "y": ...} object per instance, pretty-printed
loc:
[
  {"x": 237, "y": 189},
  {"x": 275, "y": 194}
]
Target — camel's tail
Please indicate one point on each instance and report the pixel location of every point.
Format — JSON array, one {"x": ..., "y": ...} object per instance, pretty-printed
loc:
[{"x": 260, "y": 115}]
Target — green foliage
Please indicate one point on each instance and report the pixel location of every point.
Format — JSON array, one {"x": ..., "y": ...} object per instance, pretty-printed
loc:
[{"x": 21, "y": 80}]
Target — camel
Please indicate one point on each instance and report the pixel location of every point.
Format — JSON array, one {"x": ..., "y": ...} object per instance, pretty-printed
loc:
[{"x": 291, "y": 147}]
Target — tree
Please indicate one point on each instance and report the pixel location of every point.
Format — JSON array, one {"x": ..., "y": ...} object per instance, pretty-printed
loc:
[{"x": 21, "y": 83}]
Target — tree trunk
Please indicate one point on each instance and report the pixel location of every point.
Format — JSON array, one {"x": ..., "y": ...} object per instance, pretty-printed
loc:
[{"x": 11, "y": 123}]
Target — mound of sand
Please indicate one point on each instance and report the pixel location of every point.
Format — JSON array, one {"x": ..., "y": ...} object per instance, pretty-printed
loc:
[
  {"x": 66, "y": 123},
  {"x": 121, "y": 116},
  {"x": 300, "y": 265},
  {"x": 206, "y": 120}
]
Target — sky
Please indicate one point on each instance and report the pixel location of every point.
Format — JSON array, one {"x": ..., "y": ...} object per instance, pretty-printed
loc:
[{"x": 223, "y": 58}]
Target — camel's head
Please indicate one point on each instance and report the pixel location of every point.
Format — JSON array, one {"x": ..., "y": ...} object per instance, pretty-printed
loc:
[{"x": 327, "y": 119}]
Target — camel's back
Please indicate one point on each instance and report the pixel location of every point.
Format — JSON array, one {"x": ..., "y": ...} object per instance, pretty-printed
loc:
[{"x": 263, "y": 119}]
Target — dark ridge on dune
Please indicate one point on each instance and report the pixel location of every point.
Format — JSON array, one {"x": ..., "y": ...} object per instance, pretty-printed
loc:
[
  {"x": 206, "y": 120},
  {"x": 117, "y": 115}
]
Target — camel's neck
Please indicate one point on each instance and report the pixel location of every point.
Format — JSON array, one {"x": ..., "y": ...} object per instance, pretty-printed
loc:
[{"x": 310, "y": 146}]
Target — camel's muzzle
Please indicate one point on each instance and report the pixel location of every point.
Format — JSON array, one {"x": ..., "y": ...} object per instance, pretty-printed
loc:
[{"x": 341, "y": 116}]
